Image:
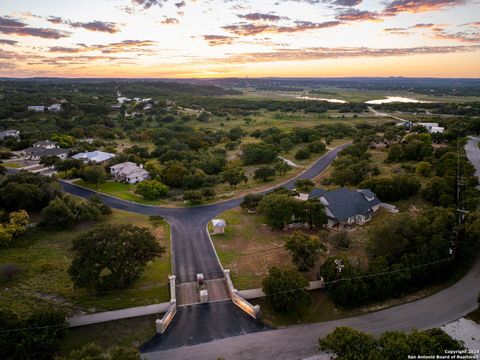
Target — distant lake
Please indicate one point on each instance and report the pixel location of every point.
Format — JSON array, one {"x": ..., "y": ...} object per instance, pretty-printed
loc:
[
  {"x": 391, "y": 99},
  {"x": 338, "y": 101}
]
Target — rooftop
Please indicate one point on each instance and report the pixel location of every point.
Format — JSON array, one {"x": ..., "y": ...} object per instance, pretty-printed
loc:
[{"x": 344, "y": 203}]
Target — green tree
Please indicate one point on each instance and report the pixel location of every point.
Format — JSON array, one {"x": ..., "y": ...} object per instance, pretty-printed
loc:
[
  {"x": 203, "y": 116},
  {"x": 39, "y": 337},
  {"x": 251, "y": 201},
  {"x": 439, "y": 192},
  {"x": 314, "y": 213},
  {"x": 151, "y": 189},
  {"x": 279, "y": 210},
  {"x": 93, "y": 174},
  {"x": 234, "y": 176},
  {"x": 154, "y": 168},
  {"x": 305, "y": 185},
  {"x": 302, "y": 154},
  {"x": 350, "y": 344},
  {"x": 317, "y": 147},
  {"x": 258, "y": 154},
  {"x": 285, "y": 289},
  {"x": 264, "y": 173},
  {"x": 58, "y": 215},
  {"x": 282, "y": 167},
  {"x": 49, "y": 161},
  {"x": 63, "y": 140},
  {"x": 424, "y": 168},
  {"x": 192, "y": 197},
  {"x": 112, "y": 256},
  {"x": 16, "y": 226},
  {"x": 173, "y": 174},
  {"x": 304, "y": 249}
]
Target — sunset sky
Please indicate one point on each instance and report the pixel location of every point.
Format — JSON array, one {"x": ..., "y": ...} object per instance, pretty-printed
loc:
[{"x": 228, "y": 38}]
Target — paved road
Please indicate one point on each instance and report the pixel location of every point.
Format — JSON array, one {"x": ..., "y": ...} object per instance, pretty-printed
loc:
[
  {"x": 473, "y": 154},
  {"x": 192, "y": 248},
  {"x": 299, "y": 342},
  {"x": 196, "y": 324}
]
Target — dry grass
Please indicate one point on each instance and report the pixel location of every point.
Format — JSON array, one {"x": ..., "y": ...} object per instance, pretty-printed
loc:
[{"x": 249, "y": 248}]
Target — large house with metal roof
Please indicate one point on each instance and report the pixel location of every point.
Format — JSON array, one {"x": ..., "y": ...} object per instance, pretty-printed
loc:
[
  {"x": 94, "y": 156},
  {"x": 345, "y": 207},
  {"x": 129, "y": 172}
]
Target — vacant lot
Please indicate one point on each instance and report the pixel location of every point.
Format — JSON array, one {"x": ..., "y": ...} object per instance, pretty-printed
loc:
[
  {"x": 44, "y": 257},
  {"x": 249, "y": 248}
]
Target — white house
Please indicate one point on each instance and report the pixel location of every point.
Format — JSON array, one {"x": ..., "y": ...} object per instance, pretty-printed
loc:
[
  {"x": 94, "y": 156},
  {"x": 122, "y": 99},
  {"x": 9, "y": 133},
  {"x": 47, "y": 144},
  {"x": 55, "y": 108},
  {"x": 36, "y": 108},
  {"x": 432, "y": 127},
  {"x": 129, "y": 172},
  {"x": 219, "y": 226}
]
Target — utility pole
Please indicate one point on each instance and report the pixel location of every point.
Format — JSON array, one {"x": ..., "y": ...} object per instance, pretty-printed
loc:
[{"x": 461, "y": 212}]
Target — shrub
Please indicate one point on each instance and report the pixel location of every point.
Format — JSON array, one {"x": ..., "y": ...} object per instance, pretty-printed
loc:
[
  {"x": 302, "y": 154},
  {"x": 9, "y": 272},
  {"x": 340, "y": 239},
  {"x": 151, "y": 189},
  {"x": 285, "y": 289}
]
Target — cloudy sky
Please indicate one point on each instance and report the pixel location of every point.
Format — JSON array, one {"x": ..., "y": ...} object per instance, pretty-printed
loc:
[{"x": 226, "y": 38}]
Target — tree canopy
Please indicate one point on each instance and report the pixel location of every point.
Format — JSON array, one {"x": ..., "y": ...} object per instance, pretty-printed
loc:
[{"x": 112, "y": 256}]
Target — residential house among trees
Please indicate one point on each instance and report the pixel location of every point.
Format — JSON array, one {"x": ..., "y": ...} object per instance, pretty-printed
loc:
[
  {"x": 9, "y": 133},
  {"x": 432, "y": 128},
  {"x": 45, "y": 148},
  {"x": 94, "y": 156},
  {"x": 36, "y": 108},
  {"x": 129, "y": 172},
  {"x": 346, "y": 207},
  {"x": 55, "y": 108},
  {"x": 47, "y": 144}
]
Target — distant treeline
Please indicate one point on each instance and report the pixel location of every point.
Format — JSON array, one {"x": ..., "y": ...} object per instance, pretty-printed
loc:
[
  {"x": 223, "y": 106},
  {"x": 429, "y": 86},
  {"x": 464, "y": 109}
]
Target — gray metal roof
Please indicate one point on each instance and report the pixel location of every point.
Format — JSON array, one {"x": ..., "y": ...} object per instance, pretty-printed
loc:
[
  {"x": 344, "y": 203},
  {"x": 316, "y": 193},
  {"x": 39, "y": 151}
]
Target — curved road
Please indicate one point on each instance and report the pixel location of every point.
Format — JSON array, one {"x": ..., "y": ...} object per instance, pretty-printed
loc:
[
  {"x": 298, "y": 342},
  {"x": 193, "y": 252},
  {"x": 199, "y": 332}
]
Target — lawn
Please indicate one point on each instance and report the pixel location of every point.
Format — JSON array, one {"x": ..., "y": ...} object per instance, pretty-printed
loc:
[
  {"x": 44, "y": 257},
  {"x": 12, "y": 165},
  {"x": 128, "y": 332},
  {"x": 249, "y": 248},
  {"x": 121, "y": 190}
]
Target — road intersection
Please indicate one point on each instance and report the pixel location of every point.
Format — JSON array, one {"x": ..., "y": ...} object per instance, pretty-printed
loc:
[{"x": 213, "y": 330}]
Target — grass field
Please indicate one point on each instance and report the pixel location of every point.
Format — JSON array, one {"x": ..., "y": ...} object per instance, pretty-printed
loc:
[
  {"x": 44, "y": 257},
  {"x": 128, "y": 333},
  {"x": 249, "y": 248},
  {"x": 121, "y": 190}
]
